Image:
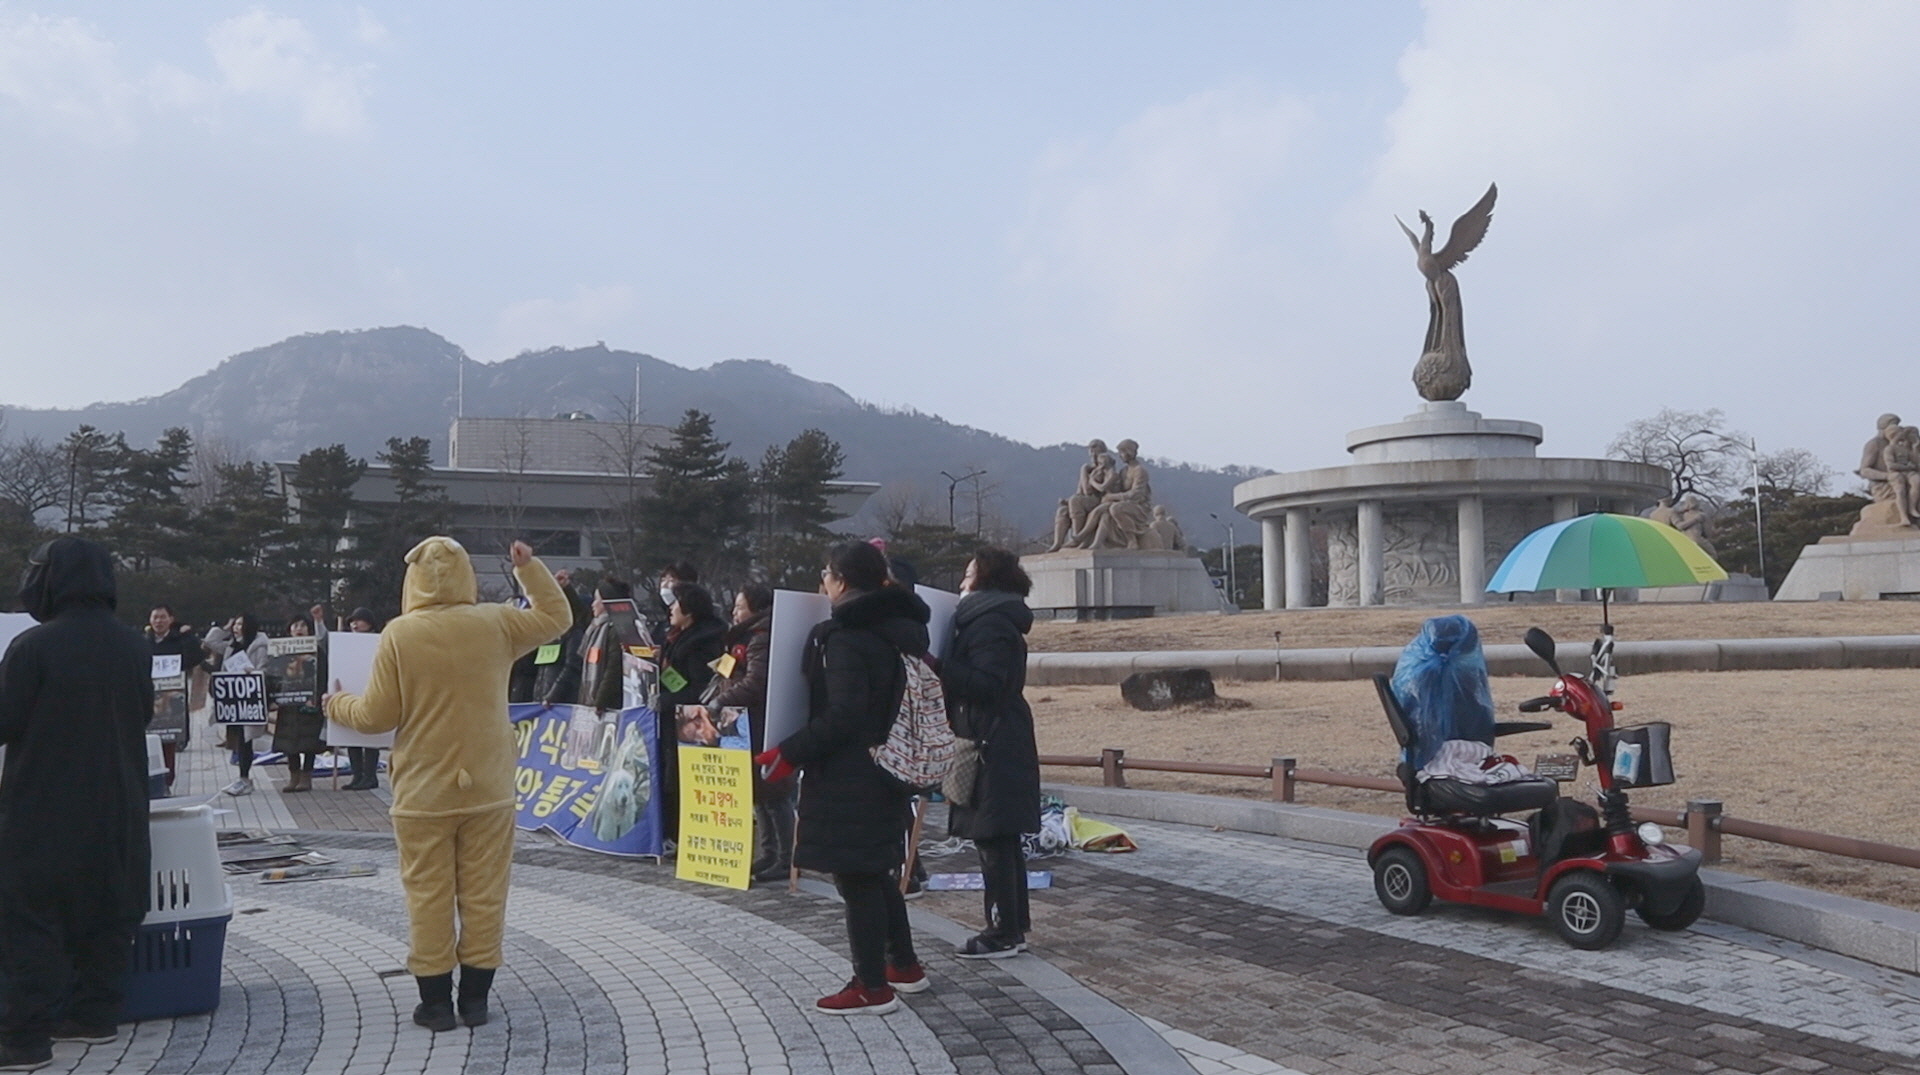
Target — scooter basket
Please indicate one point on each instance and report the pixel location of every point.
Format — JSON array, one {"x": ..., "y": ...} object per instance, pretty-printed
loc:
[{"x": 1639, "y": 755}]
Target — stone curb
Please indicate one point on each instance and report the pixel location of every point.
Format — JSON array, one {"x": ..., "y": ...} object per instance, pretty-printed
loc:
[
  {"x": 1871, "y": 932},
  {"x": 1360, "y": 662}
]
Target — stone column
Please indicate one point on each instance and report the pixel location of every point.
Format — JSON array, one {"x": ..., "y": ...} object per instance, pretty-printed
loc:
[
  {"x": 1370, "y": 530},
  {"x": 1272, "y": 564},
  {"x": 1299, "y": 559},
  {"x": 1564, "y": 508},
  {"x": 1473, "y": 551}
]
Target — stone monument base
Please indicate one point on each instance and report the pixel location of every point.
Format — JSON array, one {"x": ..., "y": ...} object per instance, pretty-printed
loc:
[
  {"x": 1735, "y": 587},
  {"x": 1856, "y": 569},
  {"x": 1092, "y": 584}
]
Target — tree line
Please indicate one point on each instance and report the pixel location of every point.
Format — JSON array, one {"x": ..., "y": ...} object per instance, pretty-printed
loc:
[{"x": 213, "y": 536}]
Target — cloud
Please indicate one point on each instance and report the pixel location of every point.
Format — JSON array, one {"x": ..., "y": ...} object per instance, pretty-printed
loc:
[
  {"x": 1694, "y": 204},
  {"x": 533, "y": 324},
  {"x": 369, "y": 29},
  {"x": 63, "y": 74},
  {"x": 1141, "y": 225},
  {"x": 276, "y": 56}
]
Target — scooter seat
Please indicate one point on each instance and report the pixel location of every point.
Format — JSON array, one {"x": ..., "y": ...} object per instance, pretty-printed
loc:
[{"x": 1443, "y": 796}]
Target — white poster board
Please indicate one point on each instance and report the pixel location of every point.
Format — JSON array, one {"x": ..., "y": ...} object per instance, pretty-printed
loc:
[
  {"x": 794, "y": 616},
  {"x": 11, "y": 624},
  {"x": 350, "y": 663},
  {"x": 940, "y": 627}
]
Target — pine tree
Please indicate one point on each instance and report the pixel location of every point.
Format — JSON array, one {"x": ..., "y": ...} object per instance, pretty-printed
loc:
[
  {"x": 321, "y": 555},
  {"x": 794, "y": 505},
  {"x": 700, "y": 508},
  {"x": 245, "y": 524},
  {"x": 89, "y": 461},
  {"x": 147, "y": 493},
  {"x": 420, "y": 510}
]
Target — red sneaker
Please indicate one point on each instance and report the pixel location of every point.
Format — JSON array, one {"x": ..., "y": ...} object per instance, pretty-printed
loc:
[
  {"x": 909, "y": 979},
  {"x": 857, "y": 999}
]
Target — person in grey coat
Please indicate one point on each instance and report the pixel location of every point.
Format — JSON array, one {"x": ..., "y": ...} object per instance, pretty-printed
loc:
[{"x": 985, "y": 675}]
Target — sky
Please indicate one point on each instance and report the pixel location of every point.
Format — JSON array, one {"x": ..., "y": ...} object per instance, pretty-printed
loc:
[{"x": 1166, "y": 221}]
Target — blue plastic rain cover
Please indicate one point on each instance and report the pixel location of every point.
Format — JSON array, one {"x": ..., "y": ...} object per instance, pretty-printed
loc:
[{"x": 1441, "y": 683}]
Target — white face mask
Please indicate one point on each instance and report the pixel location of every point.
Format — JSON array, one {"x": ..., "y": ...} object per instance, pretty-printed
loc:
[{"x": 666, "y": 596}]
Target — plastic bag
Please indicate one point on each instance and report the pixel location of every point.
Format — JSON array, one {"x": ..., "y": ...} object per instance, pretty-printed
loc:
[{"x": 1441, "y": 683}]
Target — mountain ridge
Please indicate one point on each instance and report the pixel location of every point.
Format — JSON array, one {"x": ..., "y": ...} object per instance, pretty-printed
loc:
[{"x": 360, "y": 386}]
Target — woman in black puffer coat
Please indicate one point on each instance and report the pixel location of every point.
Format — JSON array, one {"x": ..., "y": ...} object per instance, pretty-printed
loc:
[
  {"x": 852, "y": 815},
  {"x": 985, "y": 674}
]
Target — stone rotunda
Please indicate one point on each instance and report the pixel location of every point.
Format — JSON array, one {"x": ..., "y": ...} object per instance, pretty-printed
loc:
[{"x": 1427, "y": 509}]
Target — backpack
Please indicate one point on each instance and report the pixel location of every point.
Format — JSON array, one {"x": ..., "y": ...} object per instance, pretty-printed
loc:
[{"x": 919, "y": 750}]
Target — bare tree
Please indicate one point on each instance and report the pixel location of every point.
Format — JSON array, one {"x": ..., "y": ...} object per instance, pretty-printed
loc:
[
  {"x": 623, "y": 454},
  {"x": 508, "y": 507},
  {"x": 213, "y": 456},
  {"x": 898, "y": 506},
  {"x": 1704, "y": 458},
  {"x": 32, "y": 474},
  {"x": 1796, "y": 472}
]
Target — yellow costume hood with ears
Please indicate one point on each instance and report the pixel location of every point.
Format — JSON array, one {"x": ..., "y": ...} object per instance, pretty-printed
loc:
[
  {"x": 439, "y": 572},
  {"x": 439, "y": 682}
]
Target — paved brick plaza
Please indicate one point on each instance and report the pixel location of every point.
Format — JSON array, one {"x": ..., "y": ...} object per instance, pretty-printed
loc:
[{"x": 1204, "y": 952}]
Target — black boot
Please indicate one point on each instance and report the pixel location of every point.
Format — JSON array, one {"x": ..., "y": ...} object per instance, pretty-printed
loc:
[
  {"x": 779, "y": 816},
  {"x": 474, "y": 984},
  {"x": 436, "y": 1002}
]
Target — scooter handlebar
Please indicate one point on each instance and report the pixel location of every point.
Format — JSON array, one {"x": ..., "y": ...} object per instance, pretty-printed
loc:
[{"x": 1538, "y": 705}]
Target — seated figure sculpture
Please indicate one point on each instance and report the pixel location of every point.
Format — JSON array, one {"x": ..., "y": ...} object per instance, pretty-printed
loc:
[
  {"x": 1895, "y": 511},
  {"x": 1124, "y": 516},
  {"x": 1070, "y": 520}
]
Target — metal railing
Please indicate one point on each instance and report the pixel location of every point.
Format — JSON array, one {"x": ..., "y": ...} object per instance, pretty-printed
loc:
[{"x": 1703, "y": 818}]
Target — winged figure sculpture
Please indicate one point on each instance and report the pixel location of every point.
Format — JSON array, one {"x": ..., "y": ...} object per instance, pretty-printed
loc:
[{"x": 1443, "y": 371}]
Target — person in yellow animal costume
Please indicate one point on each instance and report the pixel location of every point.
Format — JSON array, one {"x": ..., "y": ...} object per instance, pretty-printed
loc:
[{"x": 439, "y": 683}]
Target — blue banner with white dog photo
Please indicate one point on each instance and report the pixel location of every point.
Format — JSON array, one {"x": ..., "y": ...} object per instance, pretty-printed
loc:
[{"x": 589, "y": 777}]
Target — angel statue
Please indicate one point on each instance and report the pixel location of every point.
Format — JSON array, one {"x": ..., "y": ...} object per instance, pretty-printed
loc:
[{"x": 1443, "y": 372}]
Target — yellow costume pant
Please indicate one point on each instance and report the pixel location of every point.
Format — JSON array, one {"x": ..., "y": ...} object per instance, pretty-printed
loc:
[{"x": 455, "y": 872}]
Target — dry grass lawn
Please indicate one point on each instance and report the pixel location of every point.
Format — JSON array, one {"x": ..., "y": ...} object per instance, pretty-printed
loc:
[{"x": 1831, "y": 751}]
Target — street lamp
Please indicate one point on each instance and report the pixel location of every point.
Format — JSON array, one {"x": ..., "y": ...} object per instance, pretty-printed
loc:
[
  {"x": 952, "y": 484},
  {"x": 1752, "y": 446},
  {"x": 1233, "y": 582}
]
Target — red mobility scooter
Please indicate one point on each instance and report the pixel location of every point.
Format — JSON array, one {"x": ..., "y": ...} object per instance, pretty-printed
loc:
[{"x": 1579, "y": 866}]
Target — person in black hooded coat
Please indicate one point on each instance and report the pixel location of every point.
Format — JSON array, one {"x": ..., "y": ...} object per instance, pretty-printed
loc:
[
  {"x": 696, "y": 637},
  {"x": 76, "y": 694},
  {"x": 851, "y": 814},
  {"x": 985, "y": 674}
]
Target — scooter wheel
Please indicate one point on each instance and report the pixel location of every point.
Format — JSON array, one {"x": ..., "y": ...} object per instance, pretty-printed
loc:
[
  {"x": 1686, "y": 914},
  {"x": 1586, "y": 910},
  {"x": 1400, "y": 880}
]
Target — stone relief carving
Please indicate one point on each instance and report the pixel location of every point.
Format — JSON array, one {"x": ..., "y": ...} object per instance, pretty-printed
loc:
[
  {"x": 1422, "y": 549},
  {"x": 1443, "y": 371}
]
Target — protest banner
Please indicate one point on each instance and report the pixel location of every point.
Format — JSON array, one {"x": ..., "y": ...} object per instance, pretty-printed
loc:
[
  {"x": 716, "y": 798},
  {"x": 293, "y": 670},
  {"x": 588, "y": 777},
  {"x": 794, "y": 614},
  {"x": 239, "y": 698},
  {"x": 350, "y": 664},
  {"x": 940, "y": 627},
  {"x": 169, "y": 699}
]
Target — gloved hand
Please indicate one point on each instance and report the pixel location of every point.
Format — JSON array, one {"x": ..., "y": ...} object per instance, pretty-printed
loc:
[{"x": 773, "y": 767}]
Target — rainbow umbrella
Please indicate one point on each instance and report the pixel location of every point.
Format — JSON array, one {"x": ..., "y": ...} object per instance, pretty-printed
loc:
[{"x": 1603, "y": 552}]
